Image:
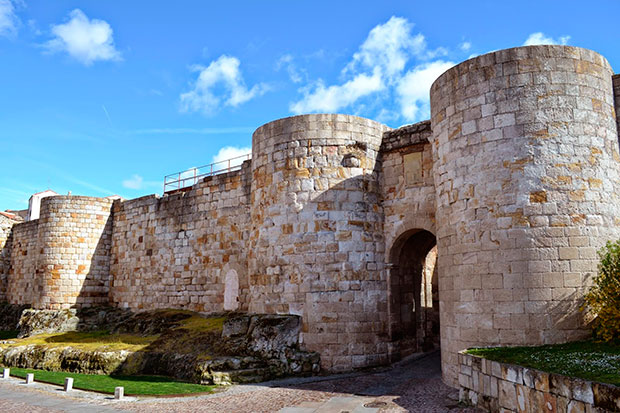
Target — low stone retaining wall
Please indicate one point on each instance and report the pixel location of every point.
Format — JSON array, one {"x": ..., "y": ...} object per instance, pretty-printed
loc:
[{"x": 500, "y": 387}]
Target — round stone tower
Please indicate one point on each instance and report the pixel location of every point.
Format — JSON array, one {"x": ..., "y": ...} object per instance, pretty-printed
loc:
[
  {"x": 73, "y": 263},
  {"x": 527, "y": 184},
  {"x": 316, "y": 237}
]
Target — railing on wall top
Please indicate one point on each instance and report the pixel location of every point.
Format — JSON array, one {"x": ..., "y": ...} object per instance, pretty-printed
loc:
[{"x": 189, "y": 177}]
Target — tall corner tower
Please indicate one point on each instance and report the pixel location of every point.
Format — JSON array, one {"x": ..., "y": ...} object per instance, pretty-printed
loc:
[{"x": 527, "y": 179}]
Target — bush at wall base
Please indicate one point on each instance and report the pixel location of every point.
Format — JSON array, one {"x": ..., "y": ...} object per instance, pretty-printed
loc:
[{"x": 603, "y": 298}]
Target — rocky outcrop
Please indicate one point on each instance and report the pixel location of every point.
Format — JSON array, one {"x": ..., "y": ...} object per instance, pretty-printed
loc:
[
  {"x": 33, "y": 322},
  {"x": 64, "y": 359},
  {"x": 218, "y": 349}
]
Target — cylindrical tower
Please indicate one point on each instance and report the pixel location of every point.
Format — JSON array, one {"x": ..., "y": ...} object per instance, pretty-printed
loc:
[
  {"x": 527, "y": 184},
  {"x": 316, "y": 239},
  {"x": 73, "y": 264}
]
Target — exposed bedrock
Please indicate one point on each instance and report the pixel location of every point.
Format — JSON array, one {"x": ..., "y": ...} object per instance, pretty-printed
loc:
[{"x": 220, "y": 349}]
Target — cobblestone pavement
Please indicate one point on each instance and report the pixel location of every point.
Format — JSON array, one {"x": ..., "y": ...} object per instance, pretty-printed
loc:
[
  {"x": 412, "y": 386},
  {"x": 15, "y": 396}
]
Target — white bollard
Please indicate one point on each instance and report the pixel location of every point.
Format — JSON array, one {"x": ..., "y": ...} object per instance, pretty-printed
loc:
[
  {"x": 119, "y": 392},
  {"x": 6, "y": 373},
  {"x": 29, "y": 378},
  {"x": 68, "y": 383}
]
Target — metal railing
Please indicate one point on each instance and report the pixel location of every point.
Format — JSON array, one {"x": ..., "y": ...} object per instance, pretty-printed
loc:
[{"x": 190, "y": 177}]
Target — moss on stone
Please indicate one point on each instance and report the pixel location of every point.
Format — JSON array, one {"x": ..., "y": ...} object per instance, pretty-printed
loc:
[
  {"x": 198, "y": 323},
  {"x": 91, "y": 341}
]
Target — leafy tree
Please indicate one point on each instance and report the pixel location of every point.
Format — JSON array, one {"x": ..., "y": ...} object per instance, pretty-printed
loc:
[{"x": 603, "y": 298}]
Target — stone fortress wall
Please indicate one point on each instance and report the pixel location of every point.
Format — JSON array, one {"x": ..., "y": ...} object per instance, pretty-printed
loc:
[
  {"x": 316, "y": 245},
  {"x": 528, "y": 184},
  {"x": 616, "y": 86},
  {"x": 179, "y": 251},
  {"x": 62, "y": 259},
  {"x": 511, "y": 187},
  {"x": 6, "y": 240}
]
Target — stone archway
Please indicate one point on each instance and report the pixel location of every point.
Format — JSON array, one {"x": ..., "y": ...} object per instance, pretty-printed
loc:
[
  {"x": 413, "y": 300},
  {"x": 231, "y": 291}
]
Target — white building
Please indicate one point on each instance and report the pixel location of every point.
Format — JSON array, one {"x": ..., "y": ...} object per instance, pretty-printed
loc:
[{"x": 34, "y": 204}]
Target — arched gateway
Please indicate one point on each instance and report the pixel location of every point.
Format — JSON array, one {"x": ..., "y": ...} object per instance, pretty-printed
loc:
[{"x": 413, "y": 296}]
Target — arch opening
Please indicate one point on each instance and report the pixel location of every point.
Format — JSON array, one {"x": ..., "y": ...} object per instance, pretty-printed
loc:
[
  {"x": 231, "y": 291},
  {"x": 413, "y": 297}
]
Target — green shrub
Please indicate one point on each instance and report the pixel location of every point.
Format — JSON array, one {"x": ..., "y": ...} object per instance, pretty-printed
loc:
[{"x": 603, "y": 298}]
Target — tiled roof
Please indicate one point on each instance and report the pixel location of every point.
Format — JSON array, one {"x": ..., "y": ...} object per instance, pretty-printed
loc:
[{"x": 11, "y": 216}]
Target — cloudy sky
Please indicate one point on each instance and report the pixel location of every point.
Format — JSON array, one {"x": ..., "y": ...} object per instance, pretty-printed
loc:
[{"x": 107, "y": 97}]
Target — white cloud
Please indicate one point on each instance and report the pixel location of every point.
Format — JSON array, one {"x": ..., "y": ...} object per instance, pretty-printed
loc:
[
  {"x": 378, "y": 69},
  {"x": 389, "y": 46},
  {"x": 387, "y": 115},
  {"x": 34, "y": 27},
  {"x": 413, "y": 88},
  {"x": 135, "y": 182},
  {"x": 293, "y": 72},
  {"x": 540, "y": 38},
  {"x": 181, "y": 179},
  {"x": 220, "y": 83},
  {"x": 230, "y": 152},
  {"x": 192, "y": 175},
  {"x": 465, "y": 46},
  {"x": 333, "y": 98},
  {"x": 8, "y": 18},
  {"x": 83, "y": 39}
]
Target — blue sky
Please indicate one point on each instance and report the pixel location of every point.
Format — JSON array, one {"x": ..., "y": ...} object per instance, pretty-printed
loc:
[{"x": 107, "y": 97}]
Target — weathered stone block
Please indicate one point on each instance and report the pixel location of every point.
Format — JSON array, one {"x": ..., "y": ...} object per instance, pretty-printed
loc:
[
  {"x": 560, "y": 385},
  {"x": 508, "y": 395},
  {"x": 606, "y": 396}
]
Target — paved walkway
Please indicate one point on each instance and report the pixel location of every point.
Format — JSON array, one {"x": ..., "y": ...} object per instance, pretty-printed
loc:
[
  {"x": 413, "y": 386},
  {"x": 15, "y": 396}
]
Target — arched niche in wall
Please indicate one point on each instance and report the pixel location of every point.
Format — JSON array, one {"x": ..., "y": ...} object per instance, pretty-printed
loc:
[{"x": 231, "y": 291}]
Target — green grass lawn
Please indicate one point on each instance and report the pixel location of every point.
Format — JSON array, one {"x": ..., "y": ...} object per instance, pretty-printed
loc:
[
  {"x": 184, "y": 332},
  {"x": 134, "y": 385},
  {"x": 585, "y": 359}
]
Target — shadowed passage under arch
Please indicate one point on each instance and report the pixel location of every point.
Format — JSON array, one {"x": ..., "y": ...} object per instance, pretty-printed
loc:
[{"x": 413, "y": 294}]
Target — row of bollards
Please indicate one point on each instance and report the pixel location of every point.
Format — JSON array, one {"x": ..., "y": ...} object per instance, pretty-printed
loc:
[{"x": 119, "y": 392}]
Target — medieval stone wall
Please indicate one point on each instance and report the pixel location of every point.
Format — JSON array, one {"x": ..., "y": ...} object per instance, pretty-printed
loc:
[
  {"x": 23, "y": 286},
  {"x": 185, "y": 250},
  {"x": 408, "y": 199},
  {"x": 74, "y": 238},
  {"x": 513, "y": 184},
  {"x": 62, "y": 259},
  {"x": 616, "y": 83},
  {"x": 527, "y": 179},
  {"x": 6, "y": 241},
  {"x": 316, "y": 246},
  {"x": 407, "y": 184}
]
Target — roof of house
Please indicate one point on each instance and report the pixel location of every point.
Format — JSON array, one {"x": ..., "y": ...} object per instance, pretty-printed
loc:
[
  {"x": 11, "y": 216},
  {"x": 43, "y": 192}
]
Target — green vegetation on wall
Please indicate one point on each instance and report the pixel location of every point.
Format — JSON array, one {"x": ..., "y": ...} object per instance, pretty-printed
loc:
[{"x": 603, "y": 299}]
